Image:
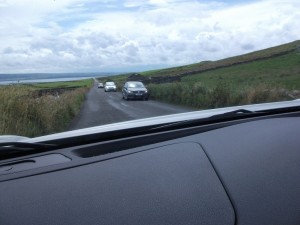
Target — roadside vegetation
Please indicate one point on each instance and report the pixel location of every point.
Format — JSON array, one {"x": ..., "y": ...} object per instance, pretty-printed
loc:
[
  {"x": 267, "y": 75},
  {"x": 25, "y": 113},
  {"x": 199, "y": 96}
]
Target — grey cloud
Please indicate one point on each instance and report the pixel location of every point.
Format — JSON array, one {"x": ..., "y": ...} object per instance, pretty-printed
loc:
[
  {"x": 56, "y": 44},
  {"x": 247, "y": 46},
  {"x": 98, "y": 39},
  {"x": 131, "y": 50},
  {"x": 152, "y": 36},
  {"x": 8, "y": 50}
]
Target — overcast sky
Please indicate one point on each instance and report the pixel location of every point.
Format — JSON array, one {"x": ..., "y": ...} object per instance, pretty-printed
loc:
[{"x": 136, "y": 35}]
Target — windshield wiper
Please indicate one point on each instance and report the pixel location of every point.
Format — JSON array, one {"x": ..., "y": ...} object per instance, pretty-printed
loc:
[
  {"x": 225, "y": 117},
  {"x": 240, "y": 113},
  {"x": 8, "y": 148}
]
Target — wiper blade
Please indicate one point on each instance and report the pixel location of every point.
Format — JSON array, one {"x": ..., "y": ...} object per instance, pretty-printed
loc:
[
  {"x": 240, "y": 113},
  {"x": 7, "y": 148},
  {"x": 225, "y": 117}
]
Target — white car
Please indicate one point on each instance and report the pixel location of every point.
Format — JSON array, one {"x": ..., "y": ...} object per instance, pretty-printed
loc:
[{"x": 110, "y": 86}]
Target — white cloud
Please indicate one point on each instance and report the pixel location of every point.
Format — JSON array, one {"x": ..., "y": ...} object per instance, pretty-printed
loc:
[{"x": 74, "y": 35}]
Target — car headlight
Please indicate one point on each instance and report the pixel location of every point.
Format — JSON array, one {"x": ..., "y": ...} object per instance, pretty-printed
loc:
[
  {"x": 146, "y": 91},
  {"x": 129, "y": 91}
]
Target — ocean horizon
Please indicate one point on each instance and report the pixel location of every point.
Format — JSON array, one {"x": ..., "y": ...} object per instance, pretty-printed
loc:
[{"x": 47, "y": 77}]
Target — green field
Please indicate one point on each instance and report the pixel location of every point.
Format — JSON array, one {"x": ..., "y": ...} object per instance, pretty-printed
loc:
[
  {"x": 281, "y": 71},
  {"x": 65, "y": 84}
]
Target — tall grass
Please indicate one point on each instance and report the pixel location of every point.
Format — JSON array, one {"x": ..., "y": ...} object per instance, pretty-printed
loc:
[
  {"x": 25, "y": 115},
  {"x": 221, "y": 95}
]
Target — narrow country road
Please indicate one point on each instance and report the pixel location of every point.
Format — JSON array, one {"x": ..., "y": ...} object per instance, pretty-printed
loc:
[{"x": 102, "y": 107}]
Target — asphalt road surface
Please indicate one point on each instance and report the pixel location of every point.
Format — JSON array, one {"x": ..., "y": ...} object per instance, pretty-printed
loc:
[{"x": 102, "y": 107}]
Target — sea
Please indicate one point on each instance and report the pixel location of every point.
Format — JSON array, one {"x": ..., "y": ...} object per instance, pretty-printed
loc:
[{"x": 6, "y": 79}]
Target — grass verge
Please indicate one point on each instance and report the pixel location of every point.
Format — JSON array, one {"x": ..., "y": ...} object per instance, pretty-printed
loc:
[
  {"x": 24, "y": 114},
  {"x": 200, "y": 96}
]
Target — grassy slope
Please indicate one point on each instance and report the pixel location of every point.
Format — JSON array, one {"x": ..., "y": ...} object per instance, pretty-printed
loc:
[
  {"x": 262, "y": 55},
  {"x": 281, "y": 71}
]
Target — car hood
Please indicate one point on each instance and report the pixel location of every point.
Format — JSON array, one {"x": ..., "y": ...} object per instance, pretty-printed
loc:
[
  {"x": 152, "y": 121},
  {"x": 12, "y": 138}
]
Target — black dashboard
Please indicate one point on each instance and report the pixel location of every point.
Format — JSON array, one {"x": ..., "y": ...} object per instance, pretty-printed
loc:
[{"x": 244, "y": 173}]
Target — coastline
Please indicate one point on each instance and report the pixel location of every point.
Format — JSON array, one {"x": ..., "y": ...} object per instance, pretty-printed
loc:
[{"x": 6, "y": 79}]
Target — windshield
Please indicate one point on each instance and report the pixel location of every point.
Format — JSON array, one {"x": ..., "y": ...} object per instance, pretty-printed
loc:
[
  {"x": 135, "y": 85},
  {"x": 189, "y": 55}
]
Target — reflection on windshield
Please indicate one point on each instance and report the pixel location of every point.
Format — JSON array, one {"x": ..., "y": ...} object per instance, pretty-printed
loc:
[
  {"x": 183, "y": 55},
  {"x": 136, "y": 85}
]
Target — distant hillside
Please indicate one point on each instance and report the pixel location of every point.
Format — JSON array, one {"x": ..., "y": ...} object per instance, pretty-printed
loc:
[{"x": 293, "y": 47}]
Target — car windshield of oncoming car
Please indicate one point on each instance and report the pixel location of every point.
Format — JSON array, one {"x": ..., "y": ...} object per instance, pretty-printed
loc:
[
  {"x": 135, "y": 85},
  {"x": 180, "y": 55}
]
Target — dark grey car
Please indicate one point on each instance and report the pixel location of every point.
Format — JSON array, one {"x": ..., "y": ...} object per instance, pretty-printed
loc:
[{"x": 135, "y": 90}]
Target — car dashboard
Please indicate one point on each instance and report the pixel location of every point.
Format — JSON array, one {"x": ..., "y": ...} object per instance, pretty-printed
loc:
[{"x": 244, "y": 172}]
